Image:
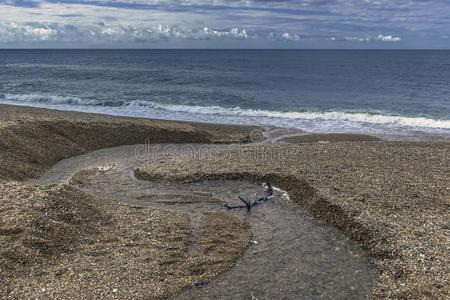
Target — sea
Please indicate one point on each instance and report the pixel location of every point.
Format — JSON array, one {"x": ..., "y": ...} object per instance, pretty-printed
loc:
[{"x": 398, "y": 92}]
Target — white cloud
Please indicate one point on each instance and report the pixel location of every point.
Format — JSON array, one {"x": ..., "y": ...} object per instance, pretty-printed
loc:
[
  {"x": 233, "y": 33},
  {"x": 379, "y": 38},
  {"x": 357, "y": 39},
  {"x": 283, "y": 36},
  {"x": 10, "y": 32},
  {"x": 290, "y": 36},
  {"x": 388, "y": 38},
  {"x": 43, "y": 33},
  {"x": 107, "y": 33}
]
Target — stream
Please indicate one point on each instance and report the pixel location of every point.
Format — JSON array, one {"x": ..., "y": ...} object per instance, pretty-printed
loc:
[{"x": 292, "y": 255}]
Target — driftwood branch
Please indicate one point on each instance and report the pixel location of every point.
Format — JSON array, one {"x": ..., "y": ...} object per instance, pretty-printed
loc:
[{"x": 268, "y": 193}]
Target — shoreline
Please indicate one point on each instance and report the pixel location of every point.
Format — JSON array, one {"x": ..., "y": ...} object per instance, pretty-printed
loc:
[
  {"x": 395, "y": 135},
  {"x": 391, "y": 197}
]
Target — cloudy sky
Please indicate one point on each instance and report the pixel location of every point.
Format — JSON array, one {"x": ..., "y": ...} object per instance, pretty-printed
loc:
[{"x": 225, "y": 23}]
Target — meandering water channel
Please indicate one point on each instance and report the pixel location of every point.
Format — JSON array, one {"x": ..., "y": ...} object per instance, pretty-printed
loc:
[{"x": 292, "y": 255}]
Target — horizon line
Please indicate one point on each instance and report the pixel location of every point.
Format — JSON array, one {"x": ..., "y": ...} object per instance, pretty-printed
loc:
[{"x": 282, "y": 49}]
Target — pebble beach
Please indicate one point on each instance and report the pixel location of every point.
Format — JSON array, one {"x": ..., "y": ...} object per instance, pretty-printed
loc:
[{"x": 390, "y": 198}]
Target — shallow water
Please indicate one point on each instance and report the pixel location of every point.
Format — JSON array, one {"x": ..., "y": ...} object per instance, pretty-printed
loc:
[{"x": 292, "y": 255}]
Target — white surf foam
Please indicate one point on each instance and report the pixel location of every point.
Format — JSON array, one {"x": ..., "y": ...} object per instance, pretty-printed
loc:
[
  {"x": 333, "y": 115},
  {"x": 57, "y": 100},
  {"x": 332, "y": 121},
  {"x": 51, "y": 99}
]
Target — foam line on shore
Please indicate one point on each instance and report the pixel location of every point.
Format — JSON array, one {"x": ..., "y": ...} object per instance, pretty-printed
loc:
[
  {"x": 135, "y": 108},
  {"x": 308, "y": 115}
]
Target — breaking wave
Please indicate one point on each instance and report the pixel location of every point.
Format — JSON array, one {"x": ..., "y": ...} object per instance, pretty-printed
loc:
[
  {"x": 150, "y": 109},
  {"x": 332, "y": 115},
  {"x": 54, "y": 99}
]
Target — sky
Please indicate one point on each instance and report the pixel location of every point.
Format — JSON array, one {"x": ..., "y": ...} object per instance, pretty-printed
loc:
[{"x": 374, "y": 24}]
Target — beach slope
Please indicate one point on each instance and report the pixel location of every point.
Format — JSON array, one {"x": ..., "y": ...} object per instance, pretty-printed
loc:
[{"x": 392, "y": 198}]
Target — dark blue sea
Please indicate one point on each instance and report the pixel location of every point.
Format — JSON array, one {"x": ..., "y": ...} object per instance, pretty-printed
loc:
[{"x": 383, "y": 91}]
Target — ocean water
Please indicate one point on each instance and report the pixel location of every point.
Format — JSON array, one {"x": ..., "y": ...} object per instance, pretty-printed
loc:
[{"x": 381, "y": 92}]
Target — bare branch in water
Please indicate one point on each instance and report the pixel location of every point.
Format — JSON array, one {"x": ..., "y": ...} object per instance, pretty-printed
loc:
[{"x": 268, "y": 193}]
